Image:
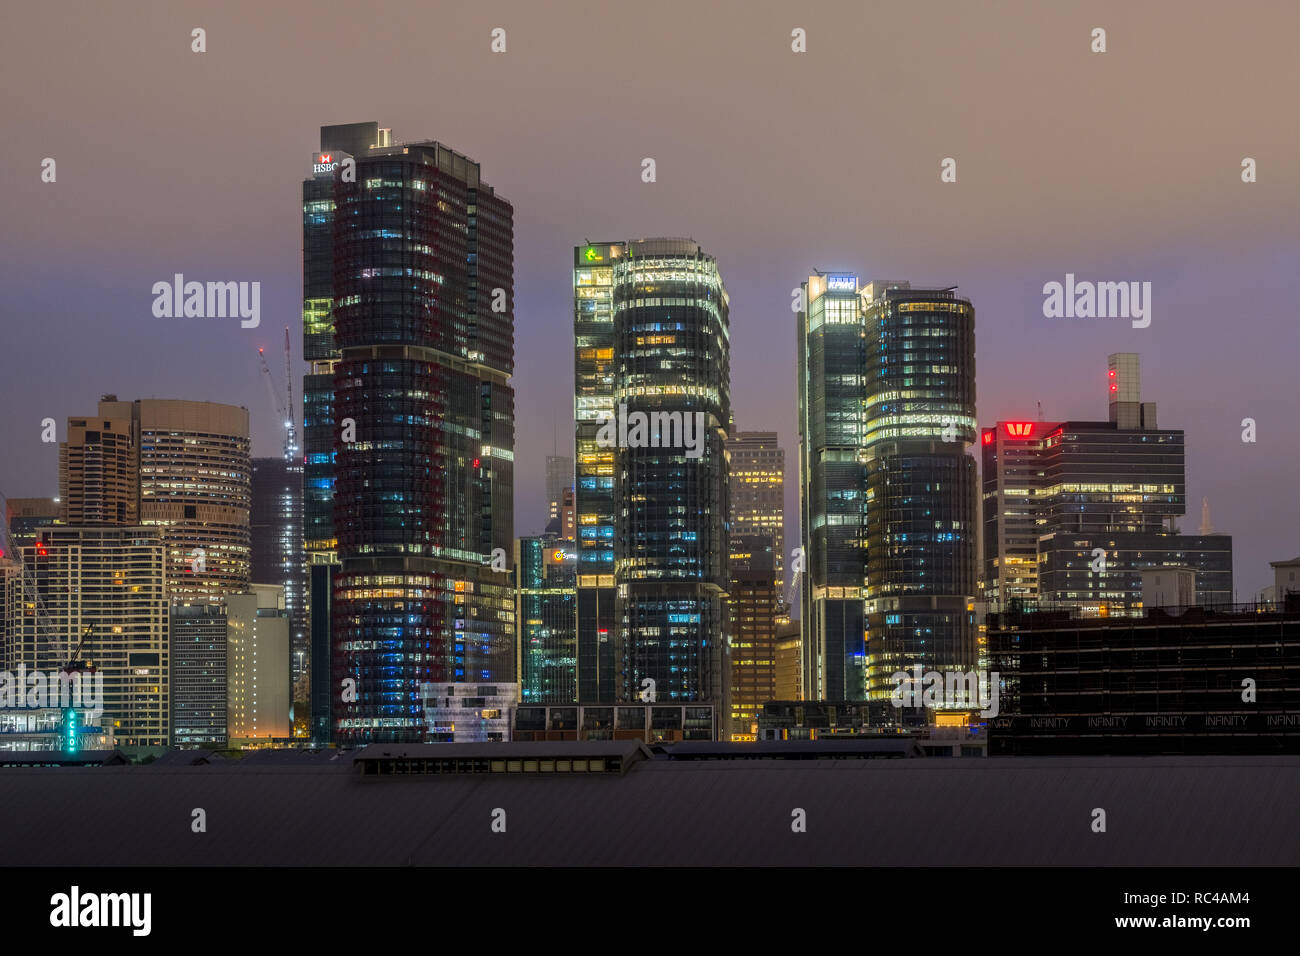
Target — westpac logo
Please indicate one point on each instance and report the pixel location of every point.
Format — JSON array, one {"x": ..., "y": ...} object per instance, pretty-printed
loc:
[
  {"x": 1102, "y": 300},
  {"x": 652, "y": 430},
  {"x": 213, "y": 300},
  {"x": 73, "y": 909}
]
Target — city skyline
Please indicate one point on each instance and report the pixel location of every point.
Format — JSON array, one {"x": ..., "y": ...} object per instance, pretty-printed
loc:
[{"x": 1000, "y": 95}]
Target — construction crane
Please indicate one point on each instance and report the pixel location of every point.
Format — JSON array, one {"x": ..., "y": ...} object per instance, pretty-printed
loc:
[{"x": 284, "y": 408}]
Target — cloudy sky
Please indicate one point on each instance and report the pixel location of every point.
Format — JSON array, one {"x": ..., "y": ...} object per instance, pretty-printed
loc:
[{"x": 1123, "y": 165}]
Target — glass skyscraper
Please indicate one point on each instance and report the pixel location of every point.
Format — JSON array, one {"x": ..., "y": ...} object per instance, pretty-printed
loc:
[
  {"x": 593, "y": 400},
  {"x": 423, "y": 418},
  {"x": 671, "y": 354},
  {"x": 887, "y": 491},
  {"x": 921, "y": 513}
]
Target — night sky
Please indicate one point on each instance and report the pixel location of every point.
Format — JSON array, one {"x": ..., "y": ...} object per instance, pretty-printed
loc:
[{"x": 1117, "y": 166}]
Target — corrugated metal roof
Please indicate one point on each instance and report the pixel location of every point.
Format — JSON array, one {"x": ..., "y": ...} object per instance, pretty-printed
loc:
[{"x": 1165, "y": 811}]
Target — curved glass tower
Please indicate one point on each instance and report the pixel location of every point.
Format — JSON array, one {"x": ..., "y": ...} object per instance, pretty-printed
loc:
[
  {"x": 921, "y": 517},
  {"x": 672, "y": 406}
]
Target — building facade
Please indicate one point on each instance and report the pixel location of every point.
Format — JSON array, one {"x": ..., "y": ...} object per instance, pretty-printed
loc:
[
  {"x": 257, "y": 664},
  {"x": 1216, "y": 680},
  {"x": 276, "y": 532},
  {"x": 424, "y": 436},
  {"x": 668, "y": 431},
  {"x": 757, "y": 479},
  {"x": 593, "y": 403},
  {"x": 1074, "y": 511},
  {"x": 548, "y": 653},
  {"x": 198, "y": 675},
  {"x": 98, "y": 595},
  {"x": 755, "y": 619},
  {"x": 922, "y": 519}
]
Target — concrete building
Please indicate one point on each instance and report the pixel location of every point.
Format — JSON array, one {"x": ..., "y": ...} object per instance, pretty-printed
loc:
[
  {"x": 98, "y": 595},
  {"x": 199, "y": 675},
  {"x": 257, "y": 670}
]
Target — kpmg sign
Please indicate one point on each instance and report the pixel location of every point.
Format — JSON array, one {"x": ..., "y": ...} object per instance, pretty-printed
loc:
[{"x": 842, "y": 283}]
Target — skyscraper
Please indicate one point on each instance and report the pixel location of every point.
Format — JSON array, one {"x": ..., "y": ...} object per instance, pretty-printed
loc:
[
  {"x": 559, "y": 478},
  {"x": 423, "y": 410},
  {"x": 1075, "y": 510},
  {"x": 98, "y": 593},
  {"x": 548, "y": 658},
  {"x": 887, "y": 491},
  {"x": 277, "y": 549},
  {"x": 198, "y": 674},
  {"x": 339, "y": 145},
  {"x": 832, "y": 478},
  {"x": 755, "y": 609},
  {"x": 757, "y": 487},
  {"x": 593, "y": 402},
  {"x": 672, "y": 400},
  {"x": 193, "y": 485}
]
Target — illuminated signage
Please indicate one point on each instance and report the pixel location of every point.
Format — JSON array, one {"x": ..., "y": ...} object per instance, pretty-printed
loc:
[
  {"x": 842, "y": 283},
  {"x": 324, "y": 164},
  {"x": 591, "y": 255},
  {"x": 1020, "y": 429},
  {"x": 988, "y": 438}
]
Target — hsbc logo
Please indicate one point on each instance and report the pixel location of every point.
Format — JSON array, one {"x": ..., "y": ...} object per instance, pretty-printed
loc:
[{"x": 324, "y": 164}]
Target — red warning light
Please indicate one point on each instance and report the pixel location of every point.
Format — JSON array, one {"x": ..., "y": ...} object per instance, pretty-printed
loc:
[
  {"x": 41, "y": 550},
  {"x": 1111, "y": 373},
  {"x": 476, "y": 462},
  {"x": 1020, "y": 429},
  {"x": 1114, "y": 387}
]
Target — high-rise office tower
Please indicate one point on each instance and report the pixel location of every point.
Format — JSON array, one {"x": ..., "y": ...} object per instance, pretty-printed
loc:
[
  {"x": 98, "y": 594},
  {"x": 277, "y": 550},
  {"x": 193, "y": 485},
  {"x": 423, "y": 412},
  {"x": 1075, "y": 510},
  {"x": 832, "y": 487},
  {"x": 922, "y": 515},
  {"x": 671, "y": 354},
  {"x": 593, "y": 402},
  {"x": 257, "y": 663},
  {"x": 559, "y": 478},
  {"x": 198, "y": 674},
  {"x": 755, "y": 611},
  {"x": 758, "y": 491},
  {"x": 548, "y": 658},
  {"x": 99, "y": 470},
  {"x": 887, "y": 491},
  {"x": 339, "y": 145}
]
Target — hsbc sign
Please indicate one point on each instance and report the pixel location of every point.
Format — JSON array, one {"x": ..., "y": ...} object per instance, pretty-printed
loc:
[{"x": 324, "y": 163}]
